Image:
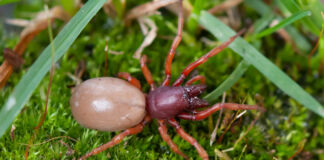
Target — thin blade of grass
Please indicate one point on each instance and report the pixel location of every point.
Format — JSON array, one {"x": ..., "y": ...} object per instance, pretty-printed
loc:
[
  {"x": 293, "y": 7},
  {"x": 259, "y": 6},
  {"x": 264, "y": 65},
  {"x": 301, "y": 43},
  {"x": 229, "y": 82},
  {"x": 263, "y": 22},
  {"x": 38, "y": 70},
  {"x": 3, "y": 2},
  {"x": 284, "y": 23}
]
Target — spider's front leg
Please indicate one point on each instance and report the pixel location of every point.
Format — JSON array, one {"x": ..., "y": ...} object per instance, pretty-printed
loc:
[
  {"x": 200, "y": 115},
  {"x": 200, "y": 78},
  {"x": 174, "y": 45},
  {"x": 204, "y": 58}
]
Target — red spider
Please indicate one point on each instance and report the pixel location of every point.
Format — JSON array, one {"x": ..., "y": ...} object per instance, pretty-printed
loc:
[{"x": 163, "y": 103}]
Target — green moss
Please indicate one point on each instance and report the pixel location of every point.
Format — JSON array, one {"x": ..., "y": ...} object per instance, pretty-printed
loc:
[{"x": 277, "y": 134}]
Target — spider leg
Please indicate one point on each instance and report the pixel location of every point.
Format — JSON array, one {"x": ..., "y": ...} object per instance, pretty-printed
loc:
[
  {"x": 130, "y": 79},
  {"x": 174, "y": 45},
  {"x": 203, "y": 154},
  {"x": 204, "y": 58},
  {"x": 194, "y": 79},
  {"x": 146, "y": 72},
  {"x": 164, "y": 134},
  {"x": 118, "y": 138},
  {"x": 199, "y": 115}
]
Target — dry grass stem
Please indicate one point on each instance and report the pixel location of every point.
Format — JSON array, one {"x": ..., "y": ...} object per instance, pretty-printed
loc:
[
  {"x": 149, "y": 35},
  {"x": 187, "y": 8},
  {"x": 12, "y": 132},
  {"x": 51, "y": 139},
  {"x": 214, "y": 133},
  {"x": 221, "y": 154}
]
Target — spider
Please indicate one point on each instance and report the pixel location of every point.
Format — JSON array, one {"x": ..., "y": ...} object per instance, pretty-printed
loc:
[{"x": 112, "y": 104}]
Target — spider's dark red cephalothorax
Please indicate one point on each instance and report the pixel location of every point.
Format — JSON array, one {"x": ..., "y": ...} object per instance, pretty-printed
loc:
[
  {"x": 111, "y": 104},
  {"x": 167, "y": 102}
]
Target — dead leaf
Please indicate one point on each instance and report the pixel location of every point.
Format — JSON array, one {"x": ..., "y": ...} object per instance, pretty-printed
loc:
[
  {"x": 39, "y": 23},
  {"x": 149, "y": 35},
  {"x": 14, "y": 59},
  {"x": 146, "y": 8}
]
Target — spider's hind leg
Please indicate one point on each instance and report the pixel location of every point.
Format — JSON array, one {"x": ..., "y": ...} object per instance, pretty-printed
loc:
[
  {"x": 135, "y": 82},
  {"x": 146, "y": 72},
  {"x": 118, "y": 138},
  {"x": 164, "y": 134}
]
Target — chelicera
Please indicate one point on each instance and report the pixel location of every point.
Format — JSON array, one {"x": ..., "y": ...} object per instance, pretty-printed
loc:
[{"x": 112, "y": 104}]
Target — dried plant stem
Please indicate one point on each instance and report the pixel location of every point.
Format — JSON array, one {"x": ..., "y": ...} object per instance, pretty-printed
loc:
[{"x": 214, "y": 133}]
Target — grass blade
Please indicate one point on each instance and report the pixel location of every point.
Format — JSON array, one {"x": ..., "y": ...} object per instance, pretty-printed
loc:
[
  {"x": 3, "y": 2},
  {"x": 38, "y": 70},
  {"x": 264, "y": 65},
  {"x": 301, "y": 43},
  {"x": 284, "y": 23},
  {"x": 263, "y": 22},
  {"x": 293, "y": 7},
  {"x": 229, "y": 82}
]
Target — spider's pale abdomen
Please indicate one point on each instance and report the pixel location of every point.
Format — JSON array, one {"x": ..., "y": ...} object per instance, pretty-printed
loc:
[
  {"x": 107, "y": 104},
  {"x": 167, "y": 102}
]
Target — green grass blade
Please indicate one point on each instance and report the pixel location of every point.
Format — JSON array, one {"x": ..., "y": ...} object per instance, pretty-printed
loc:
[
  {"x": 259, "y": 6},
  {"x": 229, "y": 82},
  {"x": 264, "y": 65},
  {"x": 38, "y": 70},
  {"x": 301, "y": 43},
  {"x": 3, "y": 2},
  {"x": 263, "y": 22},
  {"x": 293, "y": 7},
  {"x": 284, "y": 23}
]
